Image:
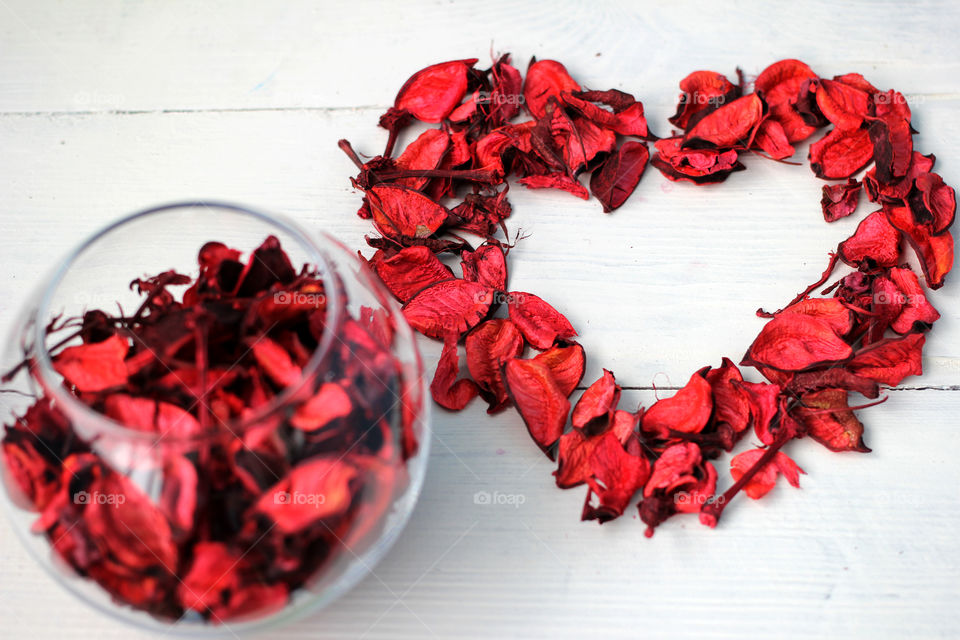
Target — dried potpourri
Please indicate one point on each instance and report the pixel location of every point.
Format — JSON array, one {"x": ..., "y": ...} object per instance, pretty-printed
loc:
[
  {"x": 866, "y": 330},
  {"x": 261, "y": 465}
]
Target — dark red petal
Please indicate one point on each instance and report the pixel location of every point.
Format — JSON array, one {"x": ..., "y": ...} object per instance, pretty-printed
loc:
[
  {"x": 840, "y": 200},
  {"x": 614, "y": 181}
]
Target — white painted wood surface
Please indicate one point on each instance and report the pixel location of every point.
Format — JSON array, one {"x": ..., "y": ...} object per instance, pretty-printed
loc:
[{"x": 108, "y": 107}]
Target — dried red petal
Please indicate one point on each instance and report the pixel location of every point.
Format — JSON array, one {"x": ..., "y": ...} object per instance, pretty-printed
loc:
[
  {"x": 771, "y": 138},
  {"x": 540, "y": 324},
  {"x": 891, "y": 360},
  {"x": 489, "y": 346},
  {"x": 731, "y": 125},
  {"x": 841, "y": 153},
  {"x": 794, "y": 342},
  {"x": 212, "y": 575},
  {"x": 556, "y": 181},
  {"x": 594, "y": 410},
  {"x": 687, "y": 411},
  {"x": 545, "y": 79},
  {"x": 625, "y": 118},
  {"x": 315, "y": 489},
  {"x": 935, "y": 252},
  {"x": 700, "y": 166},
  {"x": 448, "y": 308},
  {"x": 446, "y": 390},
  {"x": 331, "y": 402},
  {"x": 276, "y": 362},
  {"x": 410, "y": 270},
  {"x": 542, "y": 405},
  {"x": 915, "y": 311},
  {"x": 843, "y": 105},
  {"x": 892, "y": 141},
  {"x": 432, "y": 93},
  {"x": 702, "y": 91},
  {"x": 399, "y": 212},
  {"x": 840, "y": 200},
  {"x": 764, "y": 480},
  {"x": 939, "y": 201},
  {"x": 828, "y": 419},
  {"x": 487, "y": 265},
  {"x": 614, "y": 181},
  {"x": 875, "y": 243},
  {"x": 425, "y": 152},
  {"x": 674, "y": 467},
  {"x": 146, "y": 414},
  {"x": 781, "y": 85},
  {"x": 94, "y": 366},
  {"x": 573, "y": 458},
  {"x": 616, "y": 475},
  {"x": 731, "y": 404},
  {"x": 566, "y": 364}
]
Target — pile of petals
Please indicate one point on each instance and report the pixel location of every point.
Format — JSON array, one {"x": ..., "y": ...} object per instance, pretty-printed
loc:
[
  {"x": 229, "y": 506},
  {"x": 866, "y": 331}
]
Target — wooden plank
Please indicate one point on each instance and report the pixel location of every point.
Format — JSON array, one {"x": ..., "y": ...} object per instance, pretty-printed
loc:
[
  {"x": 866, "y": 548},
  {"x": 115, "y": 55},
  {"x": 665, "y": 285}
]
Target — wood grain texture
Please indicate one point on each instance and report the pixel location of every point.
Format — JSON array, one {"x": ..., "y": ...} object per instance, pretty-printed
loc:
[{"x": 109, "y": 107}]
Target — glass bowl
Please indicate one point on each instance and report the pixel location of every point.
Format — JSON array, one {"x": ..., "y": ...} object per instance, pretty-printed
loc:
[{"x": 214, "y": 454}]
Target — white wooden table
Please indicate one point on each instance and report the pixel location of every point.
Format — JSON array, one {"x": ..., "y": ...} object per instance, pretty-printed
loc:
[{"x": 110, "y": 106}]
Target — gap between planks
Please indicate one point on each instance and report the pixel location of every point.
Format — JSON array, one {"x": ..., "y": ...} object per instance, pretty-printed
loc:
[{"x": 945, "y": 97}]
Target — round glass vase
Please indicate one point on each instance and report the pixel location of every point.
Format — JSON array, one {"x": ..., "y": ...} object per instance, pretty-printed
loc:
[{"x": 229, "y": 510}]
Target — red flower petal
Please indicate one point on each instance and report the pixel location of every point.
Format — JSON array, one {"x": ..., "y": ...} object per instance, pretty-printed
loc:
[
  {"x": 489, "y": 346},
  {"x": 595, "y": 408},
  {"x": 764, "y": 480},
  {"x": 94, "y": 366},
  {"x": 542, "y": 405},
  {"x": 540, "y": 324},
  {"x": 687, "y": 411},
  {"x": 448, "y": 308}
]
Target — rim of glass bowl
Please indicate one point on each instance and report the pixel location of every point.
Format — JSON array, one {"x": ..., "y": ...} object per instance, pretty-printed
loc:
[{"x": 50, "y": 378}]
